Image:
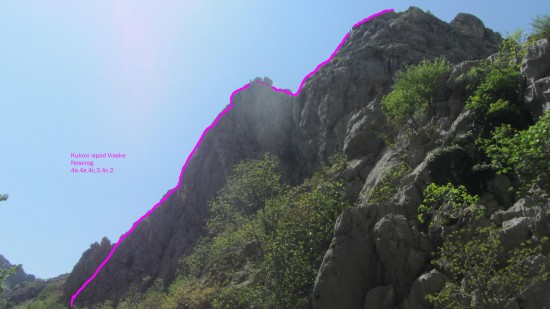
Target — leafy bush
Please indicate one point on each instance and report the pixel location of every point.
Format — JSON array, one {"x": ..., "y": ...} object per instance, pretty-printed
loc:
[
  {"x": 389, "y": 184},
  {"x": 541, "y": 27},
  {"x": 189, "y": 292},
  {"x": 497, "y": 85},
  {"x": 446, "y": 205},
  {"x": 495, "y": 99},
  {"x": 523, "y": 153},
  {"x": 238, "y": 297},
  {"x": 478, "y": 275},
  {"x": 413, "y": 91}
]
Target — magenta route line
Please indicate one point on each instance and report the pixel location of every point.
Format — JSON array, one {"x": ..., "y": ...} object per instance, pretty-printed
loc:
[{"x": 75, "y": 295}]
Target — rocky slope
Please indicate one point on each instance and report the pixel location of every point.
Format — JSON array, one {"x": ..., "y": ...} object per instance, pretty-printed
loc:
[
  {"x": 21, "y": 286},
  {"x": 378, "y": 258},
  {"x": 19, "y": 277}
]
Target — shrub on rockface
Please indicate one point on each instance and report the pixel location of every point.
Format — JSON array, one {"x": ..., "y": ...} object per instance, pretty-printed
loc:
[
  {"x": 482, "y": 275},
  {"x": 541, "y": 27},
  {"x": 413, "y": 91},
  {"x": 496, "y": 97},
  {"x": 525, "y": 154},
  {"x": 389, "y": 184},
  {"x": 446, "y": 205}
]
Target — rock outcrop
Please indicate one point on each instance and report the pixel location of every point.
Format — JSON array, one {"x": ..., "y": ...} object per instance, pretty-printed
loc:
[
  {"x": 378, "y": 258},
  {"x": 260, "y": 121},
  {"x": 536, "y": 70}
]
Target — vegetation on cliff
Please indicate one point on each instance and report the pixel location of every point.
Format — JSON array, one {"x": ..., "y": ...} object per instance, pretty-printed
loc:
[
  {"x": 413, "y": 91},
  {"x": 269, "y": 253},
  {"x": 480, "y": 270},
  {"x": 265, "y": 242}
]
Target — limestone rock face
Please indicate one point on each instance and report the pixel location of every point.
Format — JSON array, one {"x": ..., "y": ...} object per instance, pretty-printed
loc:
[
  {"x": 526, "y": 218},
  {"x": 399, "y": 252},
  {"x": 536, "y": 70},
  {"x": 375, "y": 246},
  {"x": 378, "y": 258}
]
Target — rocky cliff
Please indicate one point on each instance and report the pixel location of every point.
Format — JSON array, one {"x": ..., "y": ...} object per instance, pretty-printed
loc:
[{"x": 377, "y": 258}]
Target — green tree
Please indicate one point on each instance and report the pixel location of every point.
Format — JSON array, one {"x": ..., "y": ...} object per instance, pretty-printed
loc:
[
  {"x": 413, "y": 91},
  {"x": 264, "y": 249},
  {"x": 482, "y": 275},
  {"x": 496, "y": 97},
  {"x": 541, "y": 27},
  {"x": 155, "y": 297}
]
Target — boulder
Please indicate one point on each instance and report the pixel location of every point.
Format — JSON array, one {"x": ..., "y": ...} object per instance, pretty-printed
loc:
[
  {"x": 469, "y": 25},
  {"x": 381, "y": 297},
  {"x": 428, "y": 283},
  {"x": 397, "y": 248},
  {"x": 515, "y": 231}
]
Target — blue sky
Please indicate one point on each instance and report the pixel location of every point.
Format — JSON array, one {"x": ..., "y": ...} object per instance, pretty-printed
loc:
[{"x": 145, "y": 78}]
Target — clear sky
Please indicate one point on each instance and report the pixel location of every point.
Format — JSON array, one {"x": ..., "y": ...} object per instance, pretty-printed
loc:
[{"x": 144, "y": 78}]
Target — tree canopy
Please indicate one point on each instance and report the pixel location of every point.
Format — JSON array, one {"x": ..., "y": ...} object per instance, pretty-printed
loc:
[{"x": 541, "y": 27}]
